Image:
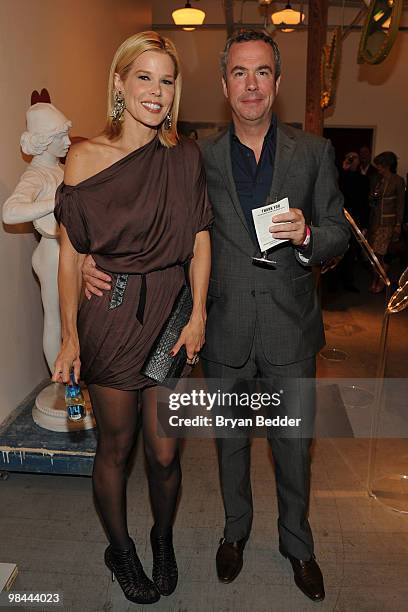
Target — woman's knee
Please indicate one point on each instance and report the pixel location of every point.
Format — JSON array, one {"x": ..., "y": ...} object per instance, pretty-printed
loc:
[
  {"x": 162, "y": 459},
  {"x": 116, "y": 451}
]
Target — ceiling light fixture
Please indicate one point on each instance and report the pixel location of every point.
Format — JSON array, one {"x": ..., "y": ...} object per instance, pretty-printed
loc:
[
  {"x": 288, "y": 16},
  {"x": 188, "y": 16}
]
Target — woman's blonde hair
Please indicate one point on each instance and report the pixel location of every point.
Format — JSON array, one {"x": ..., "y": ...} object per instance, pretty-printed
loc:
[{"x": 128, "y": 51}]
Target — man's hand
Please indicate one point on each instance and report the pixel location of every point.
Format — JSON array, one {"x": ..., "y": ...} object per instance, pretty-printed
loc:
[
  {"x": 95, "y": 281},
  {"x": 293, "y": 226},
  {"x": 351, "y": 162}
]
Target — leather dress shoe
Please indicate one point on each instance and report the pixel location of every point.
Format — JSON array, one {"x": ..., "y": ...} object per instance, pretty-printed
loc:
[
  {"x": 308, "y": 576},
  {"x": 229, "y": 559}
]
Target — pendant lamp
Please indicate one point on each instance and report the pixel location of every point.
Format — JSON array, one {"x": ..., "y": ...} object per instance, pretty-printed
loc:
[
  {"x": 188, "y": 16},
  {"x": 288, "y": 16}
]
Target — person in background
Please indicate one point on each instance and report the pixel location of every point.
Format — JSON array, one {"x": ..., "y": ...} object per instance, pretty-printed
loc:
[
  {"x": 366, "y": 167},
  {"x": 397, "y": 254},
  {"x": 355, "y": 189},
  {"x": 387, "y": 200}
]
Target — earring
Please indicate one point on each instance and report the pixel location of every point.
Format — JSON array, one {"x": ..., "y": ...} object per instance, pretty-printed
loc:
[
  {"x": 118, "y": 107},
  {"x": 168, "y": 122}
]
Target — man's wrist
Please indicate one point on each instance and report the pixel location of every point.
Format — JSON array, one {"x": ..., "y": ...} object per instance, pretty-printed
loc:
[{"x": 306, "y": 240}]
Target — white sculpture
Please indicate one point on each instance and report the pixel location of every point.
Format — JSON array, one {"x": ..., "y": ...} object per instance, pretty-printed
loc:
[
  {"x": 33, "y": 200},
  {"x": 46, "y": 139}
]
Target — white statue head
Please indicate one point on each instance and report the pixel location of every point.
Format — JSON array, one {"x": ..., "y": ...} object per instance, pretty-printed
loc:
[{"x": 47, "y": 129}]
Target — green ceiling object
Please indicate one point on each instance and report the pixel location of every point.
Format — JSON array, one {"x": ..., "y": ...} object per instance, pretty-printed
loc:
[{"x": 379, "y": 31}]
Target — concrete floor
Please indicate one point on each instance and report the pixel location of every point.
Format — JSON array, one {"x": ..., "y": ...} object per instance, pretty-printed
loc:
[{"x": 49, "y": 528}]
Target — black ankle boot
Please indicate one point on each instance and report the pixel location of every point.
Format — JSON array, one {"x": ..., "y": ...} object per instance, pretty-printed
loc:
[
  {"x": 126, "y": 566},
  {"x": 165, "y": 573}
]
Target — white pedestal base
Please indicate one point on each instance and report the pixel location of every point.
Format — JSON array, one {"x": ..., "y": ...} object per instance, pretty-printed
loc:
[{"x": 50, "y": 413}]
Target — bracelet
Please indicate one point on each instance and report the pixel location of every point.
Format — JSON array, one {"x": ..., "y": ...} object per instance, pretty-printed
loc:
[{"x": 306, "y": 241}]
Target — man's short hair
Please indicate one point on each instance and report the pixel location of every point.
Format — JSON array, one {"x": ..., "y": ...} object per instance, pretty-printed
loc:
[{"x": 247, "y": 36}]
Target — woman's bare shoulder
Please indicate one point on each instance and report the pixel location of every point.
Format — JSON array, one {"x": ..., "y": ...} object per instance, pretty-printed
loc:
[{"x": 87, "y": 158}]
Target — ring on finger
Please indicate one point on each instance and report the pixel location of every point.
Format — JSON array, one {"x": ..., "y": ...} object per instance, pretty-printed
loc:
[{"x": 194, "y": 360}]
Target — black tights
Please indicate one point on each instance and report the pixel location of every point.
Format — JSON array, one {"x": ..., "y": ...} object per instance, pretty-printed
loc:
[{"x": 117, "y": 413}]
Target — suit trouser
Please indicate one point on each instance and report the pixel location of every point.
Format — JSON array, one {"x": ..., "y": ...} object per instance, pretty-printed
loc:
[{"x": 291, "y": 455}]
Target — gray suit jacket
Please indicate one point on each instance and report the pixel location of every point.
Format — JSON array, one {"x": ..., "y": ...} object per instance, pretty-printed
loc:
[{"x": 283, "y": 301}]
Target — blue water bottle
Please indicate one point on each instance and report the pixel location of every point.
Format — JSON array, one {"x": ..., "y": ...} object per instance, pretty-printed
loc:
[{"x": 74, "y": 400}]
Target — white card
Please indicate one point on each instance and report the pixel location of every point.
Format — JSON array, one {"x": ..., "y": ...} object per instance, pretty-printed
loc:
[{"x": 263, "y": 220}]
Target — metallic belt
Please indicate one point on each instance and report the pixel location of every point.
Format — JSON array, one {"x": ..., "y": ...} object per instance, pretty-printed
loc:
[{"x": 118, "y": 295}]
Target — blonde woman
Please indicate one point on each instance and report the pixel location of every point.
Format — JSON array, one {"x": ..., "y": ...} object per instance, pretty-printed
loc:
[{"x": 135, "y": 198}]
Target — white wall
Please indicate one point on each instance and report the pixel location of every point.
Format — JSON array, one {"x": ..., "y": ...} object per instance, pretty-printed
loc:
[
  {"x": 66, "y": 47},
  {"x": 374, "y": 96}
]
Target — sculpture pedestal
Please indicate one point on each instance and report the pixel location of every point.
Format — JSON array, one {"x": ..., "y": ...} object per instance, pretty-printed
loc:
[{"x": 49, "y": 410}]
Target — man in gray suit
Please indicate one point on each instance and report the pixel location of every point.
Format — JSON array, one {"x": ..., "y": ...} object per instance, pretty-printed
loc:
[{"x": 265, "y": 322}]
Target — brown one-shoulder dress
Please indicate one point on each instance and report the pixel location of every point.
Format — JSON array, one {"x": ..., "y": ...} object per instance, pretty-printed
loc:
[{"x": 138, "y": 218}]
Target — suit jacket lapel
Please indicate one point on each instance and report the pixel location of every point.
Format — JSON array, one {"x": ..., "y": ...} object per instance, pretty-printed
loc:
[
  {"x": 285, "y": 148},
  {"x": 222, "y": 153}
]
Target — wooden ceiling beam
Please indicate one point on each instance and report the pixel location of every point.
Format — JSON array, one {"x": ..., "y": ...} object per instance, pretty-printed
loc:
[
  {"x": 316, "y": 39},
  {"x": 229, "y": 17}
]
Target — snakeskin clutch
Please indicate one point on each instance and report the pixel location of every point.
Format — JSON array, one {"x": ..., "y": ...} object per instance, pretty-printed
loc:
[{"x": 160, "y": 365}]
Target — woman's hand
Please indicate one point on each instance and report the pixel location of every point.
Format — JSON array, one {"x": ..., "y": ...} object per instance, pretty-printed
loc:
[
  {"x": 68, "y": 358},
  {"x": 192, "y": 336}
]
